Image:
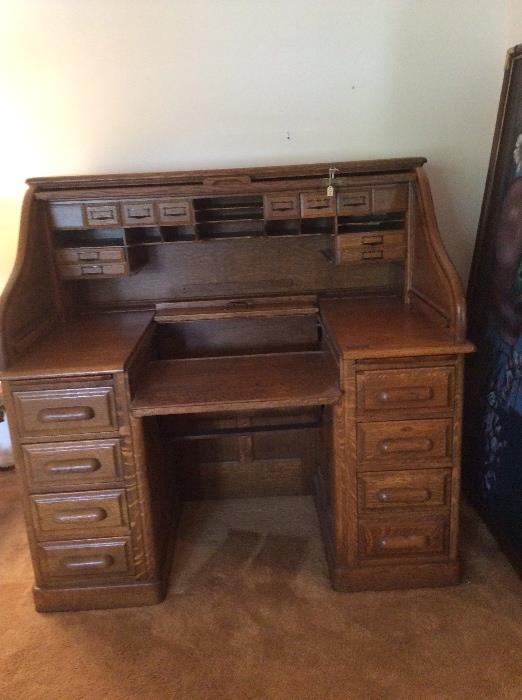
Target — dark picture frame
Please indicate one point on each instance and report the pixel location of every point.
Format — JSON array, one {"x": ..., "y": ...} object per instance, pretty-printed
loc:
[{"x": 492, "y": 464}]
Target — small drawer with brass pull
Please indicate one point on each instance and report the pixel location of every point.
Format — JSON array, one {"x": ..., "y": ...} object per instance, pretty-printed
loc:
[
  {"x": 358, "y": 247},
  {"x": 85, "y": 512},
  {"x": 386, "y": 392},
  {"x": 175, "y": 211},
  {"x": 353, "y": 202},
  {"x": 99, "y": 215},
  {"x": 68, "y": 256},
  {"x": 403, "y": 537},
  {"x": 317, "y": 204},
  {"x": 93, "y": 269},
  {"x": 66, "y": 465},
  {"x": 281, "y": 206},
  {"x": 99, "y": 559},
  {"x": 138, "y": 213},
  {"x": 403, "y": 490},
  {"x": 56, "y": 412},
  {"x": 404, "y": 444}
]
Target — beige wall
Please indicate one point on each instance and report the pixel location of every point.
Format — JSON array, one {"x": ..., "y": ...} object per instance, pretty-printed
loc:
[{"x": 116, "y": 85}]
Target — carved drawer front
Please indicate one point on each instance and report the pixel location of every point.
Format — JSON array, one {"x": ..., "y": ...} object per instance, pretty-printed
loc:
[
  {"x": 403, "y": 537},
  {"x": 403, "y": 444},
  {"x": 81, "y": 255},
  {"x": 411, "y": 490},
  {"x": 354, "y": 202},
  {"x": 316, "y": 204},
  {"x": 405, "y": 390},
  {"x": 138, "y": 213},
  {"x": 99, "y": 215},
  {"x": 61, "y": 465},
  {"x": 90, "y": 513},
  {"x": 56, "y": 412},
  {"x": 281, "y": 206},
  {"x": 79, "y": 560},
  {"x": 175, "y": 211}
]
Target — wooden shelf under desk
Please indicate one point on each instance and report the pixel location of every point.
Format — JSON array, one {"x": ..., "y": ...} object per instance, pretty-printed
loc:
[{"x": 201, "y": 385}]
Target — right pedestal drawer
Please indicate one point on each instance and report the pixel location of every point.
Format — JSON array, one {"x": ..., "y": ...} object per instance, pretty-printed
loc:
[
  {"x": 404, "y": 444},
  {"x": 403, "y": 537},
  {"x": 412, "y": 490},
  {"x": 390, "y": 392}
]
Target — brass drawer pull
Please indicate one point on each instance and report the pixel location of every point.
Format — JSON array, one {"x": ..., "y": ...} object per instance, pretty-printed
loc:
[
  {"x": 92, "y": 269},
  {"x": 80, "y": 466},
  {"x": 94, "y": 216},
  {"x": 406, "y": 445},
  {"x": 404, "y": 495},
  {"x": 394, "y": 542},
  {"x": 94, "y": 255},
  {"x": 78, "y": 563},
  {"x": 372, "y": 240},
  {"x": 138, "y": 216},
  {"x": 324, "y": 205},
  {"x": 59, "y": 415},
  {"x": 174, "y": 211},
  {"x": 95, "y": 515},
  {"x": 283, "y": 206},
  {"x": 410, "y": 393},
  {"x": 372, "y": 254}
]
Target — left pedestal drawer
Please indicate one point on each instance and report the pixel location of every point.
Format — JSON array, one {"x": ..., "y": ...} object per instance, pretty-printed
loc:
[
  {"x": 65, "y": 465},
  {"x": 82, "y": 561},
  {"x": 63, "y": 412},
  {"x": 87, "y": 513}
]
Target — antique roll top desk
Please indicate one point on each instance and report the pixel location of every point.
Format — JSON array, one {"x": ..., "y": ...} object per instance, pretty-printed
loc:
[{"x": 225, "y": 333}]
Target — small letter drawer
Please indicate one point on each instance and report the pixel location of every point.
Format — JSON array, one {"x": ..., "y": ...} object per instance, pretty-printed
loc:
[
  {"x": 175, "y": 211},
  {"x": 99, "y": 215},
  {"x": 317, "y": 204},
  {"x": 281, "y": 206},
  {"x": 353, "y": 202},
  {"x": 138, "y": 213}
]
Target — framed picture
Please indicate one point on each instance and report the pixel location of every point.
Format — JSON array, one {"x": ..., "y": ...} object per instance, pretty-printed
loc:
[{"x": 492, "y": 462}]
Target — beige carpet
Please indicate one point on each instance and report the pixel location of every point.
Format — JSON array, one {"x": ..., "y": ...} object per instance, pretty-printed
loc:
[{"x": 250, "y": 614}]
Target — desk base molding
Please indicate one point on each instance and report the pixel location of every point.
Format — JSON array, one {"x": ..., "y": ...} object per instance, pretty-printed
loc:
[
  {"x": 126, "y": 595},
  {"x": 394, "y": 577}
]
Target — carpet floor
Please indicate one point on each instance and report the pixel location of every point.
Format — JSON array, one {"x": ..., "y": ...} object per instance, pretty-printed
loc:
[{"x": 250, "y": 615}]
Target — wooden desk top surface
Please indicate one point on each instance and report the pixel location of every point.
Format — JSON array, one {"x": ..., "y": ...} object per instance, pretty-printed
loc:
[
  {"x": 384, "y": 327},
  {"x": 90, "y": 344}
]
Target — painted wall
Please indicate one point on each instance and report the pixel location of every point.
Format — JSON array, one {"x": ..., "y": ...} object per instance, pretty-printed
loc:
[{"x": 116, "y": 85}]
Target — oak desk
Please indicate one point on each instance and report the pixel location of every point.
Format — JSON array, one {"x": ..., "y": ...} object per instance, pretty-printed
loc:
[{"x": 264, "y": 331}]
